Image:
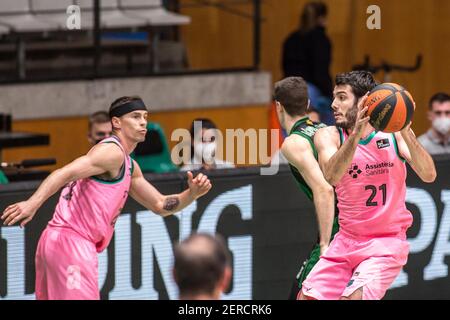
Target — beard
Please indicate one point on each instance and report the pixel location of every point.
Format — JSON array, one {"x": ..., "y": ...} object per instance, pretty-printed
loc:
[{"x": 350, "y": 118}]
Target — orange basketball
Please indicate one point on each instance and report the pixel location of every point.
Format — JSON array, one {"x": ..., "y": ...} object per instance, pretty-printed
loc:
[{"x": 390, "y": 107}]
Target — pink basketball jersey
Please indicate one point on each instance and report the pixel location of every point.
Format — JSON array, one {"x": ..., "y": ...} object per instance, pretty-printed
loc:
[
  {"x": 91, "y": 206},
  {"x": 371, "y": 194}
]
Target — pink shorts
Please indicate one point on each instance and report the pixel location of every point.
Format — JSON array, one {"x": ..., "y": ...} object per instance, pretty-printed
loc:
[
  {"x": 350, "y": 263},
  {"x": 66, "y": 266}
]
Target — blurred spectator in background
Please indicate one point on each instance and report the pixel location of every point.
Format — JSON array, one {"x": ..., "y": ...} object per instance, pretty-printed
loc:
[
  {"x": 203, "y": 148},
  {"x": 99, "y": 127},
  {"x": 437, "y": 139},
  {"x": 202, "y": 267},
  {"x": 3, "y": 179},
  {"x": 307, "y": 53}
]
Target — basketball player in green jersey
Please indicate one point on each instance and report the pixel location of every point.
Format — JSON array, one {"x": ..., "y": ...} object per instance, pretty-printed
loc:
[{"x": 291, "y": 97}]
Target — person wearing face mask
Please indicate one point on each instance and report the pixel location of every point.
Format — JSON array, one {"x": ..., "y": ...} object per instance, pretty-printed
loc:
[
  {"x": 437, "y": 139},
  {"x": 94, "y": 189},
  {"x": 203, "y": 147}
]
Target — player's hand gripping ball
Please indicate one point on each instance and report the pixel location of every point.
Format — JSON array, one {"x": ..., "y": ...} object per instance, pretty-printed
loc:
[{"x": 390, "y": 107}]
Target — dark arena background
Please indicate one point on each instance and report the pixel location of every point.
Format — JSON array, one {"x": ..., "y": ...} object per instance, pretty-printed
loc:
[{"x": 61, "y": 61}]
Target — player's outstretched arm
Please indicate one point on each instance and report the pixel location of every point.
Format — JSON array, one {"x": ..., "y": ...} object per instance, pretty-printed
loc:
[
  {"x": 300, "y": 154},
  {"x": 415, "y": 154},
  {"x": 165, "y": 205},
  {"x": 102, "y": 158}
]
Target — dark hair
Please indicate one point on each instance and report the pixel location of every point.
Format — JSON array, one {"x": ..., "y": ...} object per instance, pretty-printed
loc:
[
  {"x": 206, "y": 124},
  {"x": 312, "y": 11},
  {"x": 360, "y": 81},
  {"x": 197, "y": 271},
  {"x": 292, "y": 93},
  {"x": 122, "y": 100},
  {"x": 98, "y": 117},
  {"x": 440, "y": 97}
]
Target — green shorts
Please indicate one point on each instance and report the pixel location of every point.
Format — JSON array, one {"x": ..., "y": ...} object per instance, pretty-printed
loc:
[{"x": 314, "y": 256}]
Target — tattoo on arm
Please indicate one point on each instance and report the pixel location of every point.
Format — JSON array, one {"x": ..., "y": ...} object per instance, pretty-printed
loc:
[{"x": 171, "y": 203}]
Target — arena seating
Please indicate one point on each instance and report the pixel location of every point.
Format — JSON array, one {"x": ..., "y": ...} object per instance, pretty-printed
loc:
[
  {"x": 153, "y": 12},
  {"x": 16, "y": 16},
  {"x": 36, "y": 41},
  {"x": 50, "y": 15}
]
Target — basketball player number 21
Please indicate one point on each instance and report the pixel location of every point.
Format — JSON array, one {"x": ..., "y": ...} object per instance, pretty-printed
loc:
[{"x": 374, "y": 190}]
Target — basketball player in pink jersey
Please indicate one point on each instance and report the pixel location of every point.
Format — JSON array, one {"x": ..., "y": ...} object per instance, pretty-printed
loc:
[
  {"x": 96, "y": 188},
  {"x": 368, "y": 171}
]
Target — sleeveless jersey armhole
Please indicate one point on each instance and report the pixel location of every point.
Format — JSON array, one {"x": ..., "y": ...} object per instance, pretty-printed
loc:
[
  {"x": 121, "y": 173},
  {"x": 311, "y": 143}
]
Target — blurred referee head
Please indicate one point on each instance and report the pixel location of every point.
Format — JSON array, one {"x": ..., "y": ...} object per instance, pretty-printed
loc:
[{"x": 202, "y": 268}]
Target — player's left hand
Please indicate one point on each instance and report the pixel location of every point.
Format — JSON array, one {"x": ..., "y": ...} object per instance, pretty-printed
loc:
[
  {"x": 362, "y": 119},
  {"x": 407, "y": 132},
  {"x": 406, "y": 129},
  {"x": 199, "y": 185}
]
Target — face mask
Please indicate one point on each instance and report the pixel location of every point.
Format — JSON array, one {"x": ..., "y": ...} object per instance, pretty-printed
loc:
[
  {"x": 205, "y": 151},
  {"x": 442, "y": 125}
]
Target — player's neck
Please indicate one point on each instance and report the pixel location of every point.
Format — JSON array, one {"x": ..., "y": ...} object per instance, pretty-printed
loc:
[
  {"x": 367, "y": 131},
  {"x": 127, "y": 145},
  {"x": 291, "y": 121}
]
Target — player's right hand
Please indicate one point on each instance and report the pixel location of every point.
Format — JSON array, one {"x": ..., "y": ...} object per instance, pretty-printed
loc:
[
  {"x": 21, "y": 211},
  {"x": 361, "y": 118},
  {"x": 199, "y": 185}
]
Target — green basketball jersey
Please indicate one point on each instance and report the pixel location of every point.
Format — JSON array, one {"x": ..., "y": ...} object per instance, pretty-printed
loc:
[{"x": 306, "y": 129}]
